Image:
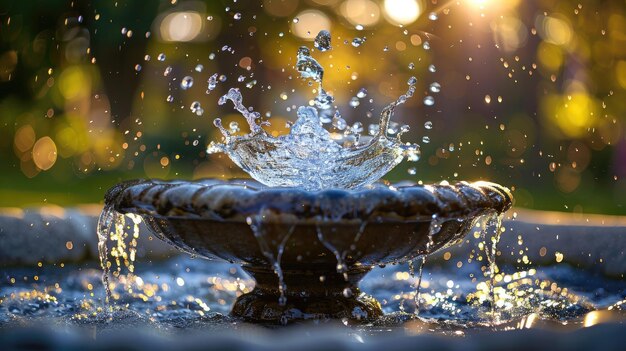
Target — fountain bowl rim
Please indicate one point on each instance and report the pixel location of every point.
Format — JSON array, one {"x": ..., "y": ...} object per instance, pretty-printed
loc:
[{"x": 237, "y": 199}]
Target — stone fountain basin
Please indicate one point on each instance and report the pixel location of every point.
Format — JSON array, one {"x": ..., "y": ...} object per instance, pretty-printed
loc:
[{"x": 322, "y": 242}]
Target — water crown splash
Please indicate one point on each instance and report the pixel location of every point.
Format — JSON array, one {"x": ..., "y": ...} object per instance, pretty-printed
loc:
[{"x": 310, "y": 156}]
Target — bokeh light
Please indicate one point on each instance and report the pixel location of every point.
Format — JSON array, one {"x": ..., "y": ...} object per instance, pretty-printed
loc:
[
  {"x": 309, "y": 23},
  {"x": 363, "y": 12},
  {"x": 402, "y": 12},
  {"x": 181, "y": 26}
]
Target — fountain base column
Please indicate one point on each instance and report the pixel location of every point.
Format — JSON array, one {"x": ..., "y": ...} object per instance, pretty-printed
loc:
[{"x": 310, "y": 294}]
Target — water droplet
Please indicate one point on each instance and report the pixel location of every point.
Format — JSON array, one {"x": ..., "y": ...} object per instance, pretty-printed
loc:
[
  {"x": 429, "y": 101},
  {"x": 186, "y": 83},
  {"x": 435, "y": 87},
  {"x": 233, "y": 126},
  {"x": 161, "y": 57},
  {"x": 167, "y": 71},
  {"x": 169, "y": 98},
  {"x": 428, "y": 125},
  {"x": 211, "y": 56},
  {"x": 356, "y": 42},
  {"x": 354, "y": 102},
  {"x": 237, "y": 16},
  {"x": 137, "y": 67},
  {"x": 296, "y": 20},
  {"x": 241, "y": 79},
  {"x": 426, "y": 139},
  {"x": 411, "y": 65},
  {"x": 347, "y": 292},
  {"x": 412, "y": 171},
  {"x": 487, "y": 99},
  {"x": 357, "y": 127},
  {"x": 339, "y": 122},
  {"x": 251, "y": 84},
  {"x": 412, "y": 81},
  {"x": 196, "y": 108},
  {"x": 199, "y": 68},
  {"x": 373, "y": 129},
  {"x": 322, "y": 41},
  {"x": 358, "y": 27},
  {"x": 432, "y": 68},
  {"x": 432, "y": 16},
  {"x": 212, "y": 82},
  {"x": 362, "y": 93},
  {"x": 386, "y": 48},
  {"x": 393, "y": 128},
  {"x": 147, "y": 58},
  {"x": 222, "y": 78},
  {"x": 426, "y": 45}
]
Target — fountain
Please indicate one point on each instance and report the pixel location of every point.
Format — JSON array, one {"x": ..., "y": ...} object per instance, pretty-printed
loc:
[{"x": 313, "y": 222}]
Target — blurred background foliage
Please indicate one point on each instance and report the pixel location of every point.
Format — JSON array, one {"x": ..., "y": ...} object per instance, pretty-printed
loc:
[{"x": 533, "y": 93}]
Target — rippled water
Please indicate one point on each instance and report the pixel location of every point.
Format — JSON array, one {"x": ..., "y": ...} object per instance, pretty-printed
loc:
[{"x": 195, "y": 294}]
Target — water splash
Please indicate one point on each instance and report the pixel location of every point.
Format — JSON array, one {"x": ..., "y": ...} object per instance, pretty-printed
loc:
[{"x": 310, "y": 156}]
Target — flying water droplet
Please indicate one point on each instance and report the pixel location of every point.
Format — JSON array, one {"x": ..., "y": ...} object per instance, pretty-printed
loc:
[
  {"x": 357, "y": 127},
  {"x": 355, "y": 102},
  {"x": 196, "y": 108},
  {"x": 373, "y": 129},
  {"x": 308, "y": 66},
  {"x": 234, "y": 127},
  {"x": 296, "y": 20},
  {"x": 428, "y": 125},
  {"x": 432, "y": 68},
  {"x": 167, "y": 71},
  {"x": 362, "y": 93},
  {"x": 412, "y": 171},
  {"x": 411, "y": 65},
  {"x": 212, "y": 83},
  {"x": 429, "y": 101},
  {"x": 161, "y": 57},
  {"x": 339, "y": 122},
  {"x": 426, "y": 139},
  {"x": 359, "y": 27},
  {"x": 322, "y": 41},
  {"x": 186, "y": 83},
  {"x": 356, "y": 42},
  {"x": 199, "y": 68},
  {"x": 433, "y": 16},
  {"x": 426, "y": 45},
  {"x": 237, "y": 16},
  {"x": 435, "y": 87}
]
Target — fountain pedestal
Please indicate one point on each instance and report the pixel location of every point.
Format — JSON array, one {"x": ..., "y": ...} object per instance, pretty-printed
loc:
[
  {"x": 312, "y": 237},
  {"x": 310, "y": 294}
]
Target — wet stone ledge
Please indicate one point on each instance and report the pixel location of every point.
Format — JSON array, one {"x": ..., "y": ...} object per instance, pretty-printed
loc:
[{"x": 59, "y": 235}]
